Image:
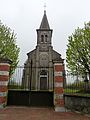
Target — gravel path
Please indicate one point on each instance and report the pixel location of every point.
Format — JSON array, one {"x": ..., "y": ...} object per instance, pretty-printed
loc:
[{"x": 31, "y": 113}]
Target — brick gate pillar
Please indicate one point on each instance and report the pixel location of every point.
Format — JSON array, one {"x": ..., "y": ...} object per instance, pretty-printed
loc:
[
  {"x": 4, "y": 76},
  {"x": 58, "y": 86}
]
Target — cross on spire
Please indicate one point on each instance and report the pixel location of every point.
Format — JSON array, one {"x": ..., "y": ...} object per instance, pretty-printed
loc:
[
  {"x": 44, "y": 22},
  {"x": 44, "y": 8}
]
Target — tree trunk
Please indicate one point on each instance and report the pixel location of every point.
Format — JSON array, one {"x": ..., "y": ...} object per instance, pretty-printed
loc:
[{"x": 89, "y": 76}]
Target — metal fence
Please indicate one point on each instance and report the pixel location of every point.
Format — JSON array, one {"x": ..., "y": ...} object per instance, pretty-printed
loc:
[
  {"x": 21, "y": 79},
  {"x": 73, "y": 85},
  {"x": 77, "y": 85},
  {"x": 15, "y": 80}
]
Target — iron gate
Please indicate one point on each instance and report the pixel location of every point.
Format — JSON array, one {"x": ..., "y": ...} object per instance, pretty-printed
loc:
[
  {"x": 17, "y": 95},
  {"x": 30, "y": 98}
]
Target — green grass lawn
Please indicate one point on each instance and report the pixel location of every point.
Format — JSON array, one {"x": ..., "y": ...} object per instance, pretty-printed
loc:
[{"x": 75, "y": 92}]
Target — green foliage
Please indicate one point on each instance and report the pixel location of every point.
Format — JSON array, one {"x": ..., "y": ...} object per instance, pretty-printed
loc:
[
  {"x": 78, "y": 50},
  {"x": 8, "y": 47}
]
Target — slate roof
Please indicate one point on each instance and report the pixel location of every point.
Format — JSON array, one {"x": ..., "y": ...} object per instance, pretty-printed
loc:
[{"x": 44, "y": 23}]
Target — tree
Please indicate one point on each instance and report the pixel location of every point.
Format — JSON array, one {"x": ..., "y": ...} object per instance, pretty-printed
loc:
[
  {"x": 8, "y": 47},
  {"x": 78, "y": 50}
]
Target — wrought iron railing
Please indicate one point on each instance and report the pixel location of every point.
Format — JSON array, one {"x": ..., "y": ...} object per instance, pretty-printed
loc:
[
  {"x": 77, "y": 85},
  {"x": 15, "y": 80}
]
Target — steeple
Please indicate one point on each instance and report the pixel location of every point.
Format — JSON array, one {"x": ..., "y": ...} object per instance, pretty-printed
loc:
[
  {"x": 44, "y": 34},
  {"x": 44, "y": 24}
]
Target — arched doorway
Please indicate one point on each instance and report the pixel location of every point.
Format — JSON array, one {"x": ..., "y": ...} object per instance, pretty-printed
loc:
[{"x": 43, "y": 80}]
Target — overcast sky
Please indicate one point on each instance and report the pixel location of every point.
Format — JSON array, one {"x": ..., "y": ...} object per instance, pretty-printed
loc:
[{"x": 24, "y": 17}]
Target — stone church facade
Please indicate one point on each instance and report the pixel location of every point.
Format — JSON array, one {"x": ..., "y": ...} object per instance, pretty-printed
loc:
[{"x": 38, "y": 73}]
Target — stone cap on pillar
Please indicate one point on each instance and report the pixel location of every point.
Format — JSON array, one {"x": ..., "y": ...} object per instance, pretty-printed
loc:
[
  {"x": 58, "y": 61},
  {"x": 5, "y": 60}
]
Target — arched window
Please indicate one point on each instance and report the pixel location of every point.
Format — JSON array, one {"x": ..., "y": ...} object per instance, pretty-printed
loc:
[
  {"x": 42, "y": 38},
  {"x": 46, "y": 38}
]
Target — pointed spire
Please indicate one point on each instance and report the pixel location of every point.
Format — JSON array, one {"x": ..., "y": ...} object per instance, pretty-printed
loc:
[{"x": 44, "y": 23}]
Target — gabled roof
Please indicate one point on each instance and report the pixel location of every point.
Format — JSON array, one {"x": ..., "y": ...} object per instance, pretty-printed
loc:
[{"x": 44, "y": 23}]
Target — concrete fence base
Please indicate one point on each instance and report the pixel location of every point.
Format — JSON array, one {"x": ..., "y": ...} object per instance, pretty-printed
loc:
[{"x": 77, "y": 103}]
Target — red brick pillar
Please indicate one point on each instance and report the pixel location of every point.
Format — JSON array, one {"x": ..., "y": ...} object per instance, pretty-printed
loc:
[
  {"x": 58, "y": 87},
  {"x": 4, "y": 76}
]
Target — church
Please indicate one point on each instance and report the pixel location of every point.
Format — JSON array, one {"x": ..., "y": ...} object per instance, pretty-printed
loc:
[{"x": 38, "y": 73}]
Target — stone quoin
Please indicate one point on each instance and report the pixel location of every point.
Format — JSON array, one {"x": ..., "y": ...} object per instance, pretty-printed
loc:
[{"x": 4, "y": 77}]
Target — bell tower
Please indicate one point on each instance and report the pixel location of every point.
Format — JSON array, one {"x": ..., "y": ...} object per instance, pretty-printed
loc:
[
  {"x": 44, "y": 55},
  {"x": 44, "y": 34}
]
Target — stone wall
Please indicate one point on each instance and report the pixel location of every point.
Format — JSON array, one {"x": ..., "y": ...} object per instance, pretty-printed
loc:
[{"x": 77, "y": 103}]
